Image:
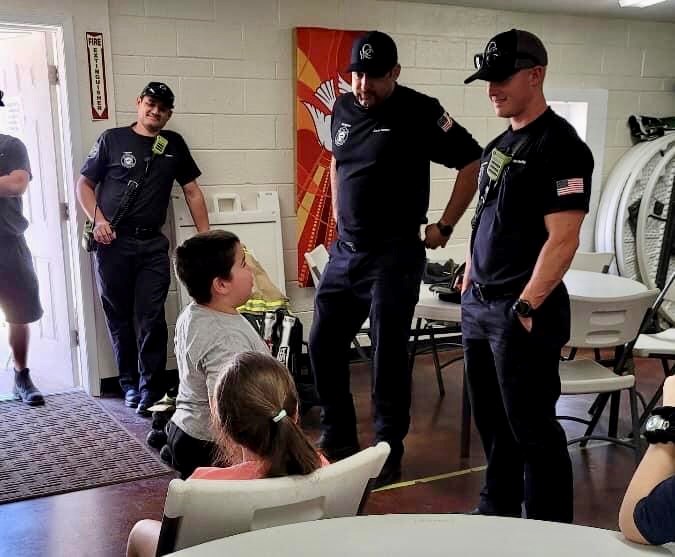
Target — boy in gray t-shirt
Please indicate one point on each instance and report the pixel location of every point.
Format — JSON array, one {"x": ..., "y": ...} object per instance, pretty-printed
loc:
[{"x": 209, "y": 332}]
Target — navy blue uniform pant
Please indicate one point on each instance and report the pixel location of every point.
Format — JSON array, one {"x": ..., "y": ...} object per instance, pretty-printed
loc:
[
  {"x": 514, "y": 385},
  {"x": 133, "y": 277},
  {"x": 382, "y": 284}
]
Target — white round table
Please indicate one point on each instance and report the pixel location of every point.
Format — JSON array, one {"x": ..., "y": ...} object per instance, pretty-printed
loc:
[
  {"x": 579, "y": 284},
  {"x": 588, "y": 284},
  {"x": 430, "y": 307},
  {"x": 427, "y": 535}
]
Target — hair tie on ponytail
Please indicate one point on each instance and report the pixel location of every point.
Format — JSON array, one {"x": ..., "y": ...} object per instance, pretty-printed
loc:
[{"x": 280, "y": 416}]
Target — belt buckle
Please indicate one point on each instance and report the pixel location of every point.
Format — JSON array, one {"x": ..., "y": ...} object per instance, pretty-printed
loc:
[
  {"x": 479, "y": 291},
  {"x": 350, "y": 245}
]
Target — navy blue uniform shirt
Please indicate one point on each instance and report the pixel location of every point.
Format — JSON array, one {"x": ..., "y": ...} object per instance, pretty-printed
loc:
[
  {"x": 654, "y": 515},
  {"x": 119, "y": 155},
  {"x": 551, "y": 172},
  {"x": 383, "y": 155}
]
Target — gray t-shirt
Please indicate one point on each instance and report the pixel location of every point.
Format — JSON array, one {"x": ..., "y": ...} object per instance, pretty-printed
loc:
[
  {"x": 205, "y": 341},
  {"x": 13, "y": 156}
]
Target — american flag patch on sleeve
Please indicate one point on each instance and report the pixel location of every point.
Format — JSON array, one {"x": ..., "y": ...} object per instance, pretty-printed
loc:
[
  {"x": 445, "y": 122},
  {"x": 569, "y": 186}
]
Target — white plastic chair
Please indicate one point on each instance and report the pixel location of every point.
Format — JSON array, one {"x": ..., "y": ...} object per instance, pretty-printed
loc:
[
  {"x": 197, "y": 511},
  {"x": 602, "y": 323},
  {"x": 317, "y": 259},
  {"x": 598, "y": 262}
]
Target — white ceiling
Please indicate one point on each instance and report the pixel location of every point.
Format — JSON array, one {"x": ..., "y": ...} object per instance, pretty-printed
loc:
[{"x": 609, "y": 8}]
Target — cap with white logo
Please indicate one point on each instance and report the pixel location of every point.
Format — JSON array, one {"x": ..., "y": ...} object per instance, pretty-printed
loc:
[{"x": 374, "y": 54}]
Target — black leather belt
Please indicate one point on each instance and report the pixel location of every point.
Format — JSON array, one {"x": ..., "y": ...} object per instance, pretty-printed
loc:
[
  {"x": 487, "y": 292},
  {"x": 137, "y": 231}
]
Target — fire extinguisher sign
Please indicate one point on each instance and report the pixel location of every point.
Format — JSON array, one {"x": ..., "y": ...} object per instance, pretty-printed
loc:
[{"x": 97, "y": 84}]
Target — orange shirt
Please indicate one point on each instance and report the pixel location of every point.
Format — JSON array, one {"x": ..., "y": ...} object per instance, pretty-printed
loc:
[{"x": 250, "y": 470}]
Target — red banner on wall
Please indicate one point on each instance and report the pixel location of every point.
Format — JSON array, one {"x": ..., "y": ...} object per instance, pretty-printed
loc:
[
  {"x": 322, "y": 56},
  {"x": 97, "y": 85}
]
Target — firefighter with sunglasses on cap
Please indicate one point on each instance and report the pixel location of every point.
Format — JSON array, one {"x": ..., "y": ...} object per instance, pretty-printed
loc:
[
  {"x": 125, "y": 189},
  {"x": 534, "y": 191}
]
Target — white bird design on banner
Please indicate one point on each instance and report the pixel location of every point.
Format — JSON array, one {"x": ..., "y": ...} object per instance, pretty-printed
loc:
[{"x": 322, "y": 121}]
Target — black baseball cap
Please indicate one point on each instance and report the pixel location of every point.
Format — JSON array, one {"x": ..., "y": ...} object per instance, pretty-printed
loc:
[
  {"x": 2, "y": 95},
  {"x": 159, "y": 91},
  {"x": 508, "y": 53},
  {"x": 374, "y": 54}
]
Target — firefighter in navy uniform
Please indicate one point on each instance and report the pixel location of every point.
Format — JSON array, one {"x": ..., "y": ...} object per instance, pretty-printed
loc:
[
  {"x": 534, "y": 183},
  {"x": 131, "y": 259},
  {"x": 384, "y": 137}
]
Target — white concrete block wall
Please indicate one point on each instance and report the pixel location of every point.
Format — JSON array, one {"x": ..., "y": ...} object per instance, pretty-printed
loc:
[{"x": 231, "y": 64}]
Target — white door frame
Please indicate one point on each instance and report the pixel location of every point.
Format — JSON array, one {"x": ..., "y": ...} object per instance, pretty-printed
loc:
[{"x": 77, "y": 262}]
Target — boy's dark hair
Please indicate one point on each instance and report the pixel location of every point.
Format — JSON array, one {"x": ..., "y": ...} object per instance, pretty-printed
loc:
[
  {"x": 256, "y": 406},
  {"x": 204, "y": 257}
]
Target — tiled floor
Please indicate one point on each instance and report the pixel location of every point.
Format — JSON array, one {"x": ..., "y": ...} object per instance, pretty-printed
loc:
[{"x": 96, "y": 522}]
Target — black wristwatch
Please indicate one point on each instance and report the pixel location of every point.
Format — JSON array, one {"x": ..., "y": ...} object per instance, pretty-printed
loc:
[
  {"x": 523, "y": 308},
  {"x": 445, "y": 229},
  {"x": 660, "y": 426}
]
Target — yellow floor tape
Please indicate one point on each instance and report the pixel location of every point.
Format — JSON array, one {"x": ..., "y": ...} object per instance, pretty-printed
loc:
[
  {"x": 466, "y": 471},
  {"x": 431, "y": 478}
]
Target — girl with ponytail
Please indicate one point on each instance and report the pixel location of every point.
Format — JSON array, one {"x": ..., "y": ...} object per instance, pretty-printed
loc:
[
  {"x": 254, "y": 412},
  {"x": 255, "y": 419}
]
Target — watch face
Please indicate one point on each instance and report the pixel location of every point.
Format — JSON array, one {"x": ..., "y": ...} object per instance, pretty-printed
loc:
[
  {"x": 656, "y": 423},
  {"x": 523, "y": 308}
]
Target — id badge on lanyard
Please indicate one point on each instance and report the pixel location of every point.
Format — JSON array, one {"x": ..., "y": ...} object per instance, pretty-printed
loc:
[{"x": 495, "y": 170}]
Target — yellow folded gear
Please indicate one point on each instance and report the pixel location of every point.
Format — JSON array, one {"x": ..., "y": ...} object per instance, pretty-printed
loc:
[
  {"x": 162, "y": 405},
  {"x": 265, "y": 296}
]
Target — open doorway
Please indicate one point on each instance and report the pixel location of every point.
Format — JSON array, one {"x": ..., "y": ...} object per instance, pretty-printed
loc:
[{"x": 29, "y": 78}]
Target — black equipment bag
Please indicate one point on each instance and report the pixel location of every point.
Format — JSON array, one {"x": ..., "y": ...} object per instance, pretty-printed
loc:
[
  {"x": 446, "y": 290},
  {"x": 282, "y": 332}
]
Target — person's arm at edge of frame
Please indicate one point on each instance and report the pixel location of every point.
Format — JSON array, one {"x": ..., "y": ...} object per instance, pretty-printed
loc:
[
  {"x": 334, "y": 188},
  {"x": 197, "y": 205},
  {"x": 85, "y": 190},
  {"x": 554, "y": 258},
  {"x": 657, "y": 465},
  {"x": 463, "y": 192},
  {"x": 14, "y": 184}
]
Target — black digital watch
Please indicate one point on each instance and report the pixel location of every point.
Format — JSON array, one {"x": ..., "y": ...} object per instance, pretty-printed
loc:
[
  {"x": 523, "y": 308},
  {"x": 660, "y": 426}
]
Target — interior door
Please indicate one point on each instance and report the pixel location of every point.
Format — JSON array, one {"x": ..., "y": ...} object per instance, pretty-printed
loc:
[{"x": 28, "y": 115}]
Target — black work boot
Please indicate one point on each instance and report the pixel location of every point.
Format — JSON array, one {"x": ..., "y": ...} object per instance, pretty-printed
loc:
[
  {"x": 335, "y": 450},
  {"x": 25, "y": 390}
]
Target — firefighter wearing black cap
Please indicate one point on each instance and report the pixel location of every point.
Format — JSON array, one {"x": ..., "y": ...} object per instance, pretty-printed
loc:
[
  {"x": 19, "y": 292},
  {"x": 384, "y": 138},
  {"x": 534, "y": 183},
  {"x": 129, "y": 172}
]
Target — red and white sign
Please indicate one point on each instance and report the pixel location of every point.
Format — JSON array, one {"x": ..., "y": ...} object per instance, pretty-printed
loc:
[{"x": 97, "y": 86}]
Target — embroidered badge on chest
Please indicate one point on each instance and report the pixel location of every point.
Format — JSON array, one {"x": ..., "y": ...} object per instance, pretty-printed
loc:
[
  {"x": 94, "y": 151},
  {"x": 341, "y": 135},
  {"x": 128, "y": 159}
]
